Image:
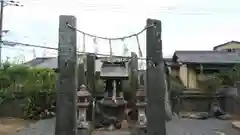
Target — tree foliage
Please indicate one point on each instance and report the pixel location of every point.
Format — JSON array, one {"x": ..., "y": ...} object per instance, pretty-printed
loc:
[
  {"x": 225, "y": 77},
  {"x": 234, "y": 74}
]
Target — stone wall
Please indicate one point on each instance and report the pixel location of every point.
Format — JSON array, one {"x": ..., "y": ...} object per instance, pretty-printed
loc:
[
  {"x": 232, "y": 105},
  {"x": 190, "y": 104},
  {"x": 232, "y": 99},
  {"x": 200, "y": 102},
  {"x": 11, "y": 109}
]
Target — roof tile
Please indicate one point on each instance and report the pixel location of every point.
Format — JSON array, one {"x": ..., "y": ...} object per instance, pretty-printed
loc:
[{"x": 207, "y": 57}]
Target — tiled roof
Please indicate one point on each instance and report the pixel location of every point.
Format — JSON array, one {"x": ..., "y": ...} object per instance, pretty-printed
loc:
[
  {"x": 214, "y": 57},
  {"x": 170, "y": 62},
  {"x": 37, "y": 61},
  {"x": 48, "y": 63},
  {"x": 114, "y": 71}
]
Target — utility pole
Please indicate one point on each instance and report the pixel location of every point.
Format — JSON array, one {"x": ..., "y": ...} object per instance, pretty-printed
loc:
[
  {"x": 1, "y": 24},
  {"x": 155, "y": 85},
  {"x": 4, "y": 3}
]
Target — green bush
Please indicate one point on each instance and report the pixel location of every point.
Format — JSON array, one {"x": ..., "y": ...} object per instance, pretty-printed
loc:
[{"x": 36, "y": 86}]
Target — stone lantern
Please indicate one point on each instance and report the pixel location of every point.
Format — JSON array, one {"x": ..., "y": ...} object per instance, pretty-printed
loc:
[
  {"x": 83, "y": 103},
  {"x": 141, "y": 106},
  {"x": 141, "y": 125}
]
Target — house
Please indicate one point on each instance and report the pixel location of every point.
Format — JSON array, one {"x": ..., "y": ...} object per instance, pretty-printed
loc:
[
  {"x": 191, "y": 67},
  {"x": 42, "y": 62},
  {"x": 192, "y": 64},
  {"x": 52, "y": 62},
  {"x": 188, "y": 67},
  {"x": 228, "y": 46}
]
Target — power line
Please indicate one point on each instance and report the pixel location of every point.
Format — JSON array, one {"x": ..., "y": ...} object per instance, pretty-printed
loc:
[
  {"x": 52, "y": 48},
  {"x": 4, "y": 3},
  {"x": 13, "y": 43},
  {"x": 12, "y": 48}
]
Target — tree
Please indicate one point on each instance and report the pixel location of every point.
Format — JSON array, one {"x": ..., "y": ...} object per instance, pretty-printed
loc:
[
  {"x": 228, "y": 77},
  {"x": 234, "y": 74}
]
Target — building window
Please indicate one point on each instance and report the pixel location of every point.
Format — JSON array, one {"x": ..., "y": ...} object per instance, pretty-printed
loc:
[
  {"x": 233, "y": 50},
  {"x": 229, "y": 50}
]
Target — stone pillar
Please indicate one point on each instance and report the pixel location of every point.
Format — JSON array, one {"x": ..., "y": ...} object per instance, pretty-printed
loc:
[
  {"x": 66, "y": 123},
  {"x": 91, "y": 72},
  {"x": 91, "y": 58},
  {"x": 134, "y": 72},
  {"x": 155, "y": 79},
  {"x": 81, "y": 73},
  {"x": 237, "y": 105},
  {"x": 238, "y": 88}
]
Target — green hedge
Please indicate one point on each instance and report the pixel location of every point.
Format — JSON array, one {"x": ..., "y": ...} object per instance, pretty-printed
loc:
[
  {"x": 38, "y": 89},
  {"x": 36, "y": 86}
]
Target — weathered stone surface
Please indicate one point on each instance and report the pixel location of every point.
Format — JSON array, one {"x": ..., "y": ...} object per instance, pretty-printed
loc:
[
  {"x": 225, "y": 117},
  {"x": 168, "y": 108},
  {"x": 124, "y": 124},
  {"x": 236, "y": 125},
  {"x": 137, "y": 130},
  {"x": 83, "y": 131},
  {"x": 201, "y": 115},
  {"x": 66, "y": 121}
]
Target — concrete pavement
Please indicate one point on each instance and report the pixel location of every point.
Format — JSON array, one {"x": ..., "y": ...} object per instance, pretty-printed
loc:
[{"x": 174, "y": 127}]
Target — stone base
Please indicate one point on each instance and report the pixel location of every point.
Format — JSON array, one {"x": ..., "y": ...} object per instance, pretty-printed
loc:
[
  {"x": 139, "y": 130},
  {"x": 84, "y": 124},
  {"x": 83, "y": 131},
  {"x": 225, "y": 117},
  {"x": 236, "y": 125},
  {"x": 84, "y": 128}
]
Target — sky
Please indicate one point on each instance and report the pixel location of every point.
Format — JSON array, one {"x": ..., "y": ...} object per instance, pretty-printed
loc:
[{"x": 186, "y": 24}]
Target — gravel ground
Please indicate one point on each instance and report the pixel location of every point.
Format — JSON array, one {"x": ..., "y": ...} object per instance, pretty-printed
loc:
[{"x": 174, "y": 127}]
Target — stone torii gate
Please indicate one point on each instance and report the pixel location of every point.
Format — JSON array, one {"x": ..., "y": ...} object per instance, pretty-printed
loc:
[{"x": 66, "y": 119}]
